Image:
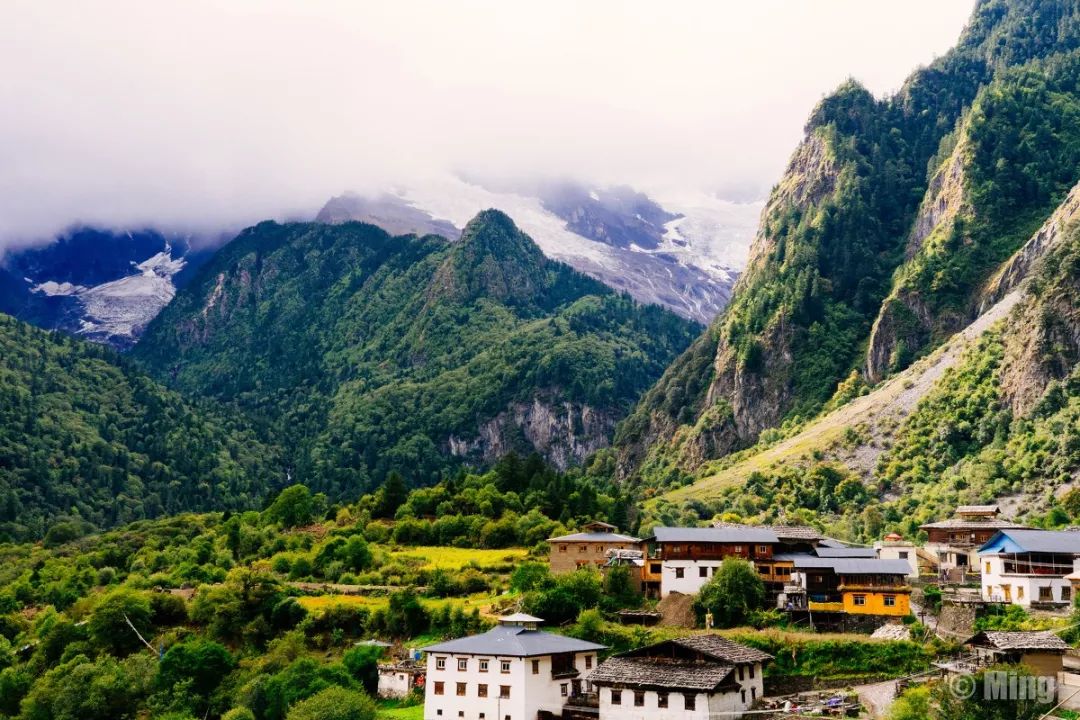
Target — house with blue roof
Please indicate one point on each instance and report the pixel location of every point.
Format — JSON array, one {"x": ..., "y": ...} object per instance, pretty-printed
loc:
[{"x": 1029, "y": 567}]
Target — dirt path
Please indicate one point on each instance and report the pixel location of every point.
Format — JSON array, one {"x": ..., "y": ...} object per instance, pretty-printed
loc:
[{"x": 877, "y": 697}]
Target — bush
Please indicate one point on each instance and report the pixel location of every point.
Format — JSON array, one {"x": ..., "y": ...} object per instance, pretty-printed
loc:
[
  {"x": 334, "y": 703},
  {"x": 733, "y": 592}
]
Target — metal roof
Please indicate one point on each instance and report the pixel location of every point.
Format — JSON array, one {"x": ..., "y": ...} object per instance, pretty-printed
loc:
[
  {"x": 595, "y": 537},
  {"x": 848, "y": 552},
  {"x": 849, "y": 566},
  {"x": 1044, "y": 541},
  {"x": 741, "y": 534},
  {"x": 513, "y": 641}
]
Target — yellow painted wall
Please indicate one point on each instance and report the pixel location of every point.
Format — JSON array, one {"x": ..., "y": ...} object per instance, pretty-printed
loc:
[{"x": 875, "y": 603}]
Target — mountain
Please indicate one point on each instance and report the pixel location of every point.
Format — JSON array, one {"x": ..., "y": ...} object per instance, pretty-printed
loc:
[
  {"x": 85, "y": 437},
  {"x": 98, "y": 284},
  {"x": 366, "y": 353},
  {"x": 873, "y": 247},
  {"x": 685, "y": 257},
  {"x": 990, "y": 416}
]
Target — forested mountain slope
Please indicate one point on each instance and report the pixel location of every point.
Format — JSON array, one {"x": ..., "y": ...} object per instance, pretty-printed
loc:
[
  {"x": 364, "y": 353},
  {"x": 85, "y": 438},
  {"x": 990, "y": 416},
  {"x": 875, "y": 244}
]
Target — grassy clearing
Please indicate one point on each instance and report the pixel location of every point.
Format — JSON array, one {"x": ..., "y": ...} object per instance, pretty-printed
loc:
[
  {"x": 318, "y": 603},
  {"x": 452, "y": 558},
  {"x": 392, "y": 712}
]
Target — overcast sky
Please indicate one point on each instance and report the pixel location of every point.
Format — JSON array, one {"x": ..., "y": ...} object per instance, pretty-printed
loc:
[{"x": 203, "y": 114}]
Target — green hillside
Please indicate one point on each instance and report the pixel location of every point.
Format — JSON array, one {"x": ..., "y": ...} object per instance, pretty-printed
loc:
[
  {"x": 86, "y": 439},
  {"x": 364, "y": 353}
]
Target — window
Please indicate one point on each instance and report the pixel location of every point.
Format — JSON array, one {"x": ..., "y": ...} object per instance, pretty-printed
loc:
[
  {"x": 563, "y": 689},
  {"x": 741, "y": 670},
  {"x": 763, "y": 569},
  {"x": 562, "y": 548},
  {"x": 742, "y": 694},
  {"x": 703, "y": 571},
  {"x": 1046, "y": 594},
  {"x": 860, "y": 600},
  {"x": 504, "y": 666},
  {"x": 679, "y": 573},
  {"x": 582, "y": 548},
  {"x": 463, "y": 664},
  {"x": 654, "y": 568},
  {"x": 763, "y": 549},
  {"x": 504, "y": 692},
  {"x": 639, "y": 698},
  {"x": 661, "y": 699},
  {"x": 461, "y": 713},
  {"x": 439, "y": 687},
  {"x": 753, "y": 693},
  {"x": 461, "y": 689},
  {"x": 481, "y": 691},
  {"x": 483, "y": 666},
  {"x": 439, "y": 713},
  {"x": 440, "y": 663},
  {"x": 599, "y": 549},
  {"x": 903, "y": 554},
  {"x": 616, "y": 697},
  {"x": 751, "y": 668},
  {"x": 535, "y": 666},
  {"x": 588, "y": 662},
  {"x": 987, "y": 567},
  {"x": 890, "y": 601},
  {"x": 676, "y": 548},
  {"x": 1019, "y": 592},
  {"x": 782, "y": 570},
  {"x": 689, "y": 701},
  {"x": 736, "y": 548},
  {"x": 1066, "y": 593}
]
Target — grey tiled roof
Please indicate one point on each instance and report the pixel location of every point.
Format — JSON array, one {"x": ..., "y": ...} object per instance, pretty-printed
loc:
[
  {"x": 595, "y": 537},
  {"x": 643, "y": 672},
  {"x": 737, "y": 534},
  {"x": 719, "y": 647},
  {"x": 970, "y": 524},
  {"x": 513, "y": 641},
  {"x": 1040, "y": 640}
]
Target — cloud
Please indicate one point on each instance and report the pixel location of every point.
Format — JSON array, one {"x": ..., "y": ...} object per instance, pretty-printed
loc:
[{"x": 202, "y": 115}]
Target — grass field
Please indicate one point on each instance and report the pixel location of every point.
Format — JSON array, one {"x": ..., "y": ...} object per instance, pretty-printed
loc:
[
  {"x": 451, "y": 558},
  {"x": 315, "y": 603},
  {"x": 390, "y": 711}
]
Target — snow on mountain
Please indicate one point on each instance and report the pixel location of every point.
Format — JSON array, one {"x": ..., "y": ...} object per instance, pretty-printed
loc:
[{"x": 684, "y": 255}]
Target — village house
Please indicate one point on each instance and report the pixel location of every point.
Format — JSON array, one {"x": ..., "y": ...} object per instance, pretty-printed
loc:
[
  {"x": 849, "y": 585},
  {"x": 1029, "y": 567},
  {"x": 894, "y": 547},
  {"x": 954, "y": 543},
  {"x": 683, "y": 559},
  {"x": 1043, "y": 652},
  {"x": 512, "y": 672},
  {"x": 691, "y": 678},
  {"x": 590, "y": 547}
]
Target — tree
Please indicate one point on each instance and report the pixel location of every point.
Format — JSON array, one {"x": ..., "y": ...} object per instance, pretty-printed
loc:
[
  {"x": 292, "y": 508},
  {"x": 108, "y": 622},
  {"x": 362, "y": 663},
  {"x": 405, "y": 616},
  {"x": 619, "y": 590},
  {"x": 356, "y": 554},
  {"x": 334, "y": 703},
  {"x": 204, "y": 662},
  {"x": 530, "y": 576},
  {"x": 734, "y": 590},
  {"x": 392, "y": 495}
]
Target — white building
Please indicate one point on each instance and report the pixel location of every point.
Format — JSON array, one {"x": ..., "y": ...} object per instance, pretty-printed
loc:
[
  {"x": 400, "y": 679},
  {"x": 689, "y": 557},
  {"x": 690, "y": 678},
  {"x": 894, "y": 547},
  {"x": 1026, "y": 567},
  {"x": 512, "y": 672}
]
